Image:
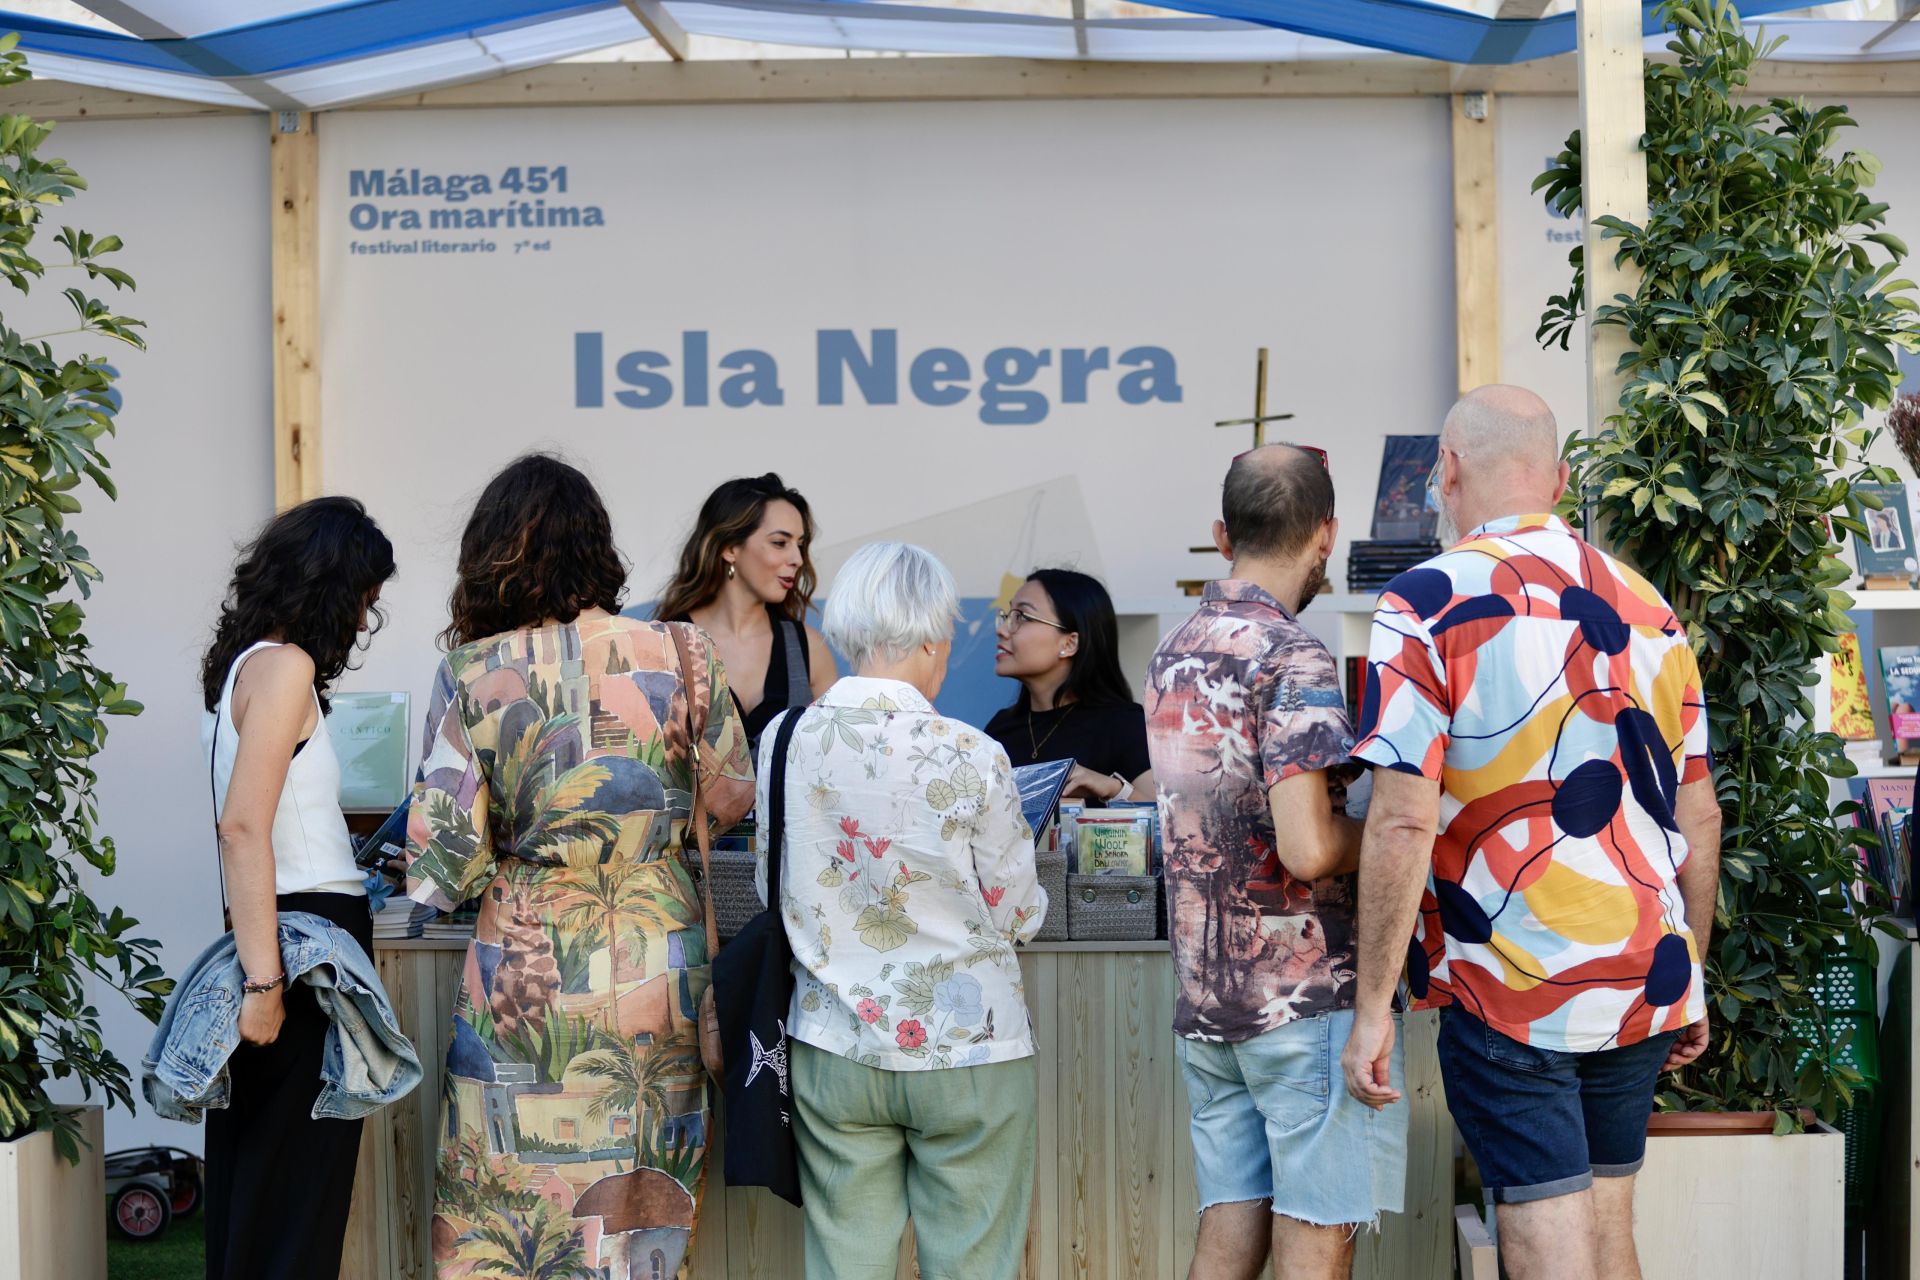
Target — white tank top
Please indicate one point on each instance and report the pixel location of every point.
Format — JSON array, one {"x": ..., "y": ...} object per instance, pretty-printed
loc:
[{"x": 311, "y": 850}]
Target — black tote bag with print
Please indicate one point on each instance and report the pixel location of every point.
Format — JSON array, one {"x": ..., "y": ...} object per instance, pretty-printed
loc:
[{"x": 753, "y": 990}]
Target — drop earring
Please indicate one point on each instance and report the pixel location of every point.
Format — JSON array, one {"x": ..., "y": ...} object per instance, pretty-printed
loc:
[{"x": 729, "y": 571}]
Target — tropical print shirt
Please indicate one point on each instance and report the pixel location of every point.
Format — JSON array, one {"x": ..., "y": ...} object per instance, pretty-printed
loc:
[
  {"x": 909, "y": 875},
  {"x": 1240, "y": 697},
  {"x": 1553, "y": 695}
]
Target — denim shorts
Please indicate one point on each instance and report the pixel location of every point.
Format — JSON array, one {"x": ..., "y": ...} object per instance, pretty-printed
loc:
[
  {"x": 1272, "y": 1120},
  {"x": 1543, "y": 1123}
]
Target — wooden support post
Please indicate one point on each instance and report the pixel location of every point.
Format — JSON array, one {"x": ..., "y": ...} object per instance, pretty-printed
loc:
[
  {"x": 1476, "y": 251},
  {"x": 662, "y": 26},
  {"x": 294, "y": 156},
  {"x": 1613, "y": 118}
]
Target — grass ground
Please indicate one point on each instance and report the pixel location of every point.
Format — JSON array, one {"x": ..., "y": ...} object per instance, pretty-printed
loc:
[{"x": 180, "y": 1254}]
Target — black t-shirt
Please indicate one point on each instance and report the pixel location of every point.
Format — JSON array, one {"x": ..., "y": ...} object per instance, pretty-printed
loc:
[{"x": 1109, "y": 738}]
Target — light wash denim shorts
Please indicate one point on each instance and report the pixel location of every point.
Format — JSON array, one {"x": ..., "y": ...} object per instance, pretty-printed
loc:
[{"x": 1272, "y": 1120}]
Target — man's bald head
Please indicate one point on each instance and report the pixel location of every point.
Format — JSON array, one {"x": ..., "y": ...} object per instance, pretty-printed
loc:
[
  {"x": 1506, "y": 461},
  {"x": 1274, "y": 502},
  {"x": 1497, "y": 427}
]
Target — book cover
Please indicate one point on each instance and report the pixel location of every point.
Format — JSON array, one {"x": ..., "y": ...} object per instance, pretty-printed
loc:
[
  {"x": 369, "y": 732},
  {"x": 1900, "y": 676},
  {"x": 388, "y": 841},
  {"x": 1852, "y": 715},
  {"x": 1040, "y": 787},
  {"x": 1887, "y": 550},
  {"x": 1113, "y": 842},
  {"x": 1400, "y": 505}
]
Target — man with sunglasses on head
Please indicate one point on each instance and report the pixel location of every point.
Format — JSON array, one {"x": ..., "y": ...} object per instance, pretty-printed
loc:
[
  {"x": 1248, "y": 734},
  {"x": 1544, "y": 826}
]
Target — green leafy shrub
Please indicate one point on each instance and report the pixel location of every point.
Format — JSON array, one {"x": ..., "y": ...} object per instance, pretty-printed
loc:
[
  {"x": 54, "y": 413},
  {"x": 1762, "y": 330}
]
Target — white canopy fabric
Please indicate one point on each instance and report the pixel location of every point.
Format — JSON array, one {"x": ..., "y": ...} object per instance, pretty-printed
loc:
[{"x": 293, "y": 54}]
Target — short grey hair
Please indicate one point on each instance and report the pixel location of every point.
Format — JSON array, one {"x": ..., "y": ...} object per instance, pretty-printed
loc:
[
  {"x": 1503, "y": 426},
  {"x": 887, "y": 598}
]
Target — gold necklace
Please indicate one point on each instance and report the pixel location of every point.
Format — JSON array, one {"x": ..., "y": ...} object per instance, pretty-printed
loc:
[{"x": 1056, "y": 728}]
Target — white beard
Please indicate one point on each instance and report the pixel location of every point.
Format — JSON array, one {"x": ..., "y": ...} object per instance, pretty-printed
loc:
[{"x": 1444, "y": 527}]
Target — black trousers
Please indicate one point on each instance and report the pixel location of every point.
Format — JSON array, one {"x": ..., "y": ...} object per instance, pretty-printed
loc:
[{"x": 278, "y": 1180}]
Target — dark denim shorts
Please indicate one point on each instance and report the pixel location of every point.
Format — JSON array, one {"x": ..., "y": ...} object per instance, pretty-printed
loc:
[{"x": 1542, "y": 1123}]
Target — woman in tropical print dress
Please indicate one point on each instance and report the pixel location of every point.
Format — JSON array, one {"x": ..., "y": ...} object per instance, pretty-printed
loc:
[{"x": 556, "y": 786}]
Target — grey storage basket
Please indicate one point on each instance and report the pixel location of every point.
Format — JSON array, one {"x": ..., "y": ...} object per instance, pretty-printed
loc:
[
  {"x": 1052, "y": 870},
  {"x": 734, "y": 900},
  {"x": 1113, "y": 908}
]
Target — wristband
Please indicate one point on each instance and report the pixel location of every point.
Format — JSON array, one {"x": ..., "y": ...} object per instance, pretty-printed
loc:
[
  {"x": 1126, "y": 788},
  {"x": 260, "y": 986}
]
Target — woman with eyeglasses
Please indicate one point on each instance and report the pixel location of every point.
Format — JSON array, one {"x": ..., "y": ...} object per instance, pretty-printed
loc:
[{"x": 1059, "y": 639}]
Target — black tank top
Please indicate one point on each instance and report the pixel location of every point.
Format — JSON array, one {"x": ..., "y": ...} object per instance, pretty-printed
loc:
[{"x": 789, "y": 676}]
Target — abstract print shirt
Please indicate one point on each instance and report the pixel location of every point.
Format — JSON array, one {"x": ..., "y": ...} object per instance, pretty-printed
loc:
[
  {"x": 1239, "y": 698},
  {"x": 908, "y": 876},
  {"x": 1553, "y": 695}
]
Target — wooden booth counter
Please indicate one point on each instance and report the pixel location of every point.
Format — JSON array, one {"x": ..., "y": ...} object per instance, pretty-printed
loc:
[{"x": 1113, "y": 1186}]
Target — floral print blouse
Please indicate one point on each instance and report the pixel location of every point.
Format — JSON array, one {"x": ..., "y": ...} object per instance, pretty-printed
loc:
[{"x": 908, "y": 873}]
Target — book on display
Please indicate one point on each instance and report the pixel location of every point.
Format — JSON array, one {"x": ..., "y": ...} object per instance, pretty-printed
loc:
[
  {"x": 1885, "y": 557},
  {"x": 1900, "y": 677},
  {"x": 1400, "y": 504},
  {"x": 369, "y": 735},
  {"x": 1851, "y": 714}
]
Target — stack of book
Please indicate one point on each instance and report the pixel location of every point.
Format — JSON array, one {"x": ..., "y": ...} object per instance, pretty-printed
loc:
[
  {"x": 402, "y": 918},
  {"x": 1886, "y": 810},
  {"x": 1372, "y": 565},
  {"x": 1402, "y": 526}
]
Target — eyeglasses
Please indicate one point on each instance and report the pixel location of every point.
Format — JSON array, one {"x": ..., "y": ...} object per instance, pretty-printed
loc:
[
  {"x": 1433, "y": 477},
  {"x": 1013, "y": 619}
]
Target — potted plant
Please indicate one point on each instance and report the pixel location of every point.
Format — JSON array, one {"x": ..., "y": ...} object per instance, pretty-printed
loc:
[
  {"x": 55, "y": 939},
  {"x": 1762, "y": 330}
]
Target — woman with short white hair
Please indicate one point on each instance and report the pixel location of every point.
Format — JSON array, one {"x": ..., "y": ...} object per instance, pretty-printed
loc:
[{"x": 907, "y": 876}]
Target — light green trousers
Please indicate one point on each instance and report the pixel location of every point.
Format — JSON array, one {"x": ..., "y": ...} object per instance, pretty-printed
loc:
[{"x": 952, "y": 1147}]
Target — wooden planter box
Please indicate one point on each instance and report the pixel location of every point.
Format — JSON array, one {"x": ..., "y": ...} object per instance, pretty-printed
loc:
[
  {"x": 53, "y": 1215},
  {"x": 1718, "y": 1198}
]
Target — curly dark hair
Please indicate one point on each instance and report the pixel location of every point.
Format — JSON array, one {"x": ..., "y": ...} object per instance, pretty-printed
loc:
[
  {"x": 728, "y": 518},
  {"x": 309, "y": 578},
  {"x": 539, "y": 545}
]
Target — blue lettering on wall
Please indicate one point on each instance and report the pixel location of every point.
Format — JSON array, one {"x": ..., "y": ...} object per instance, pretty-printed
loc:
[{"x": 1015, "y": 386}]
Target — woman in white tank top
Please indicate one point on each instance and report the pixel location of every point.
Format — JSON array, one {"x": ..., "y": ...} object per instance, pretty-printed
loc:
[{"x": 302, "y": 596}]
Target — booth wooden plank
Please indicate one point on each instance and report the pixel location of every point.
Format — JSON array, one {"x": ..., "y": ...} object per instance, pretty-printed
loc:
[
  {"x": 707, "y": 1255},
  {"x": 1613, "y": 118},
  {"x": 1476, "y": 247},
  {"x": 765, "y": 1236},
  {"x": 1418, "y": 1241},
  {"x": 1041, "y": 978},
  {"x": 1186, "y": 1193},
  {"x": 1113, "y": 1189},
  {"x": 294, "y": 159},
  {"x": 1143, "y": 1119},
  {"x": 1086, "y": 1117}
]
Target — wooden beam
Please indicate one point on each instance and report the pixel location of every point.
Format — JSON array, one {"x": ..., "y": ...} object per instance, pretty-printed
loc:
[
  {"x": 926, "y": 80},
  {"x": 1476, "y": 247},
  {"x": 55, "y": 100},
  {"x": 1613, "y": 117},
  {"x": 662, "y": 26},
  {"x": 982, "y": 79},
  {"x": 294, "y": 157}
]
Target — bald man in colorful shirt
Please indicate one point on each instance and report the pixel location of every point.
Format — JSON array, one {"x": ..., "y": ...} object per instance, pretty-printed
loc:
[{"x": 1544, "y": 829}]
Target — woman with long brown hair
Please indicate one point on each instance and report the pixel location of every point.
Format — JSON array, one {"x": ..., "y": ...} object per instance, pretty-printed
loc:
[
  {"x": 564, "y": 743},
  {"x": 746, "y": 578}
]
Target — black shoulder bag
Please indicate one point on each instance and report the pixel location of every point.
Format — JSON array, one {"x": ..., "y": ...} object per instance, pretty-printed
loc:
[{"x": 753, "y": 990}]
